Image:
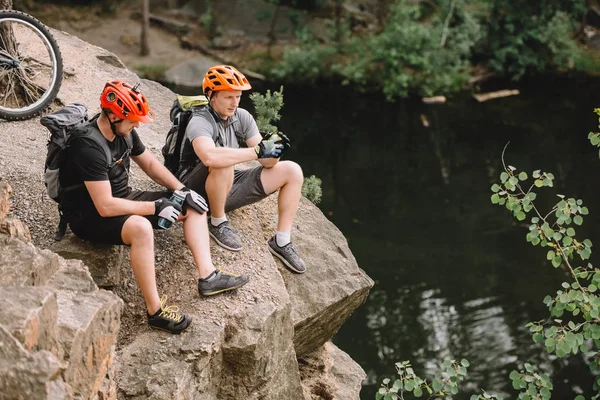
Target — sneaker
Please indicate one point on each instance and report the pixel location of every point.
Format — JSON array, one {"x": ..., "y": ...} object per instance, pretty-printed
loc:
[
  {"x": 288, "y": 255},
  {"x": 225, "y": 236},
  {"x": 222, "y": 282},
  {"x": 168, "y": 318}
]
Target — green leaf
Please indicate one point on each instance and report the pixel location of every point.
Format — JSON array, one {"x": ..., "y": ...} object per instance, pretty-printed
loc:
[
  {"x": 378, "y": 396},
  {"x": 513, "y": 180},
  {"x": 550, "y": 255},
  {"x": 571, "y": 232},
  {"x": 556, "y": 261},
  {"x": 503, "y": 177},
  {"x": 418, "y": 392},
  {"x": 578, "y": 220},
  {"x": 386, "y": 381},
  {"x": 495, "y": 188},
  {"x": 522, "y": 176}
]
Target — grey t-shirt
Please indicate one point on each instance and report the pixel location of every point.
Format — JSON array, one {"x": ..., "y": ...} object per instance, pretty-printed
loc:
[{"x": 242, "y": 120}]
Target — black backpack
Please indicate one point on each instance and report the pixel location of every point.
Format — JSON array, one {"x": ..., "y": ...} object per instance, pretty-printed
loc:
[
  {"x": 62, "y": 124},
  {"x": 184, "y": 107}
]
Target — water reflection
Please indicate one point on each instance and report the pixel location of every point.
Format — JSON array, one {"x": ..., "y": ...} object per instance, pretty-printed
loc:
[{"x": 454, "y": 275}]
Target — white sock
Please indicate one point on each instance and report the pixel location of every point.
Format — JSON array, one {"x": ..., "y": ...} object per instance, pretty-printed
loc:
[
  {"x": 218, "y": 221},
  {"x": 282, "y": 238}
]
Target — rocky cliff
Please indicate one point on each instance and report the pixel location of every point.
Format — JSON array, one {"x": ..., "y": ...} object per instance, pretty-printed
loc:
[{"x": 62, "y": 337}]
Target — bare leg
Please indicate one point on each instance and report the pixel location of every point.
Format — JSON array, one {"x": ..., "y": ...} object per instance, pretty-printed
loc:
[
  {"x": 137, "y": 232},
  {"x": 218, "y": 186},
  {"x": 195, "y": 232},
  {"x": 287, "y": 177}
]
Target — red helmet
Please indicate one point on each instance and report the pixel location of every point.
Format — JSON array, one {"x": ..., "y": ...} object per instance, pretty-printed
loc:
[
  {"x": 126, "y": 102},
  {"x": 224, "y": 77}
]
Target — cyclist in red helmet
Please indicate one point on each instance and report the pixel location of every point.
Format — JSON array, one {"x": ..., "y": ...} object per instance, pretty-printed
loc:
[
  {"x": 102, "y": 208},
  {"x": 208, "y": 161}
]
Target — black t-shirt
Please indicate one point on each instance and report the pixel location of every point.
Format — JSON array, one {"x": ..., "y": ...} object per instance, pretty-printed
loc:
[{"x": 86, "y": 161}]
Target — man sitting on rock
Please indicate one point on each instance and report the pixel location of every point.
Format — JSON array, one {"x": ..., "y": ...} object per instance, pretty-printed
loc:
[
  {"x": 208, "y": 159},
  {"x": 102, "y": 208}
]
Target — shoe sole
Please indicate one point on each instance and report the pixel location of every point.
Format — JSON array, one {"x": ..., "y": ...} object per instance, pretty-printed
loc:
[
  {"x": 284, "y": 261},
  {"x": 222, "y": 290},
  {"x": 158, "y": 328},
  {"x": 221, "y": 244}
]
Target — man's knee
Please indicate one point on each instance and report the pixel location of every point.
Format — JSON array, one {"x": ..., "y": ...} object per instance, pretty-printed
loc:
[
  {"x": 225, "y": 173},
  {"x": 293, "y": 171},
  {"x": 137, "y": 229}
]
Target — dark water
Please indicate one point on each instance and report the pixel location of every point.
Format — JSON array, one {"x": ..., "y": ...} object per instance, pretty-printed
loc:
[{"x": 454, "y": 276}]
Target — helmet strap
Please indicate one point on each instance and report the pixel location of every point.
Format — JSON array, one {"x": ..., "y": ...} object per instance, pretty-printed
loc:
[{"x": 113, "y": 124}]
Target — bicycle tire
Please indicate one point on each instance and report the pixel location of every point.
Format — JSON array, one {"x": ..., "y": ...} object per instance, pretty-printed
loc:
[{"x": 17, "y": 111}]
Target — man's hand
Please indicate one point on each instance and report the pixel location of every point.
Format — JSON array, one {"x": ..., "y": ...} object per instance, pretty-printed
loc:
[
  {"x": 287, "y": 143},
  {"x": 165, "y": 208},
  {"x": 192, "y": 199},
  {"x": 272, "y": 146}
]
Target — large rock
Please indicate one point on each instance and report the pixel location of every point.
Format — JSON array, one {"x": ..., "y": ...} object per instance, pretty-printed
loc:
[
  {"x": 57, "y": 330},
  {"x": 23, "y": 264},
  {"x": 333, "y": 285},
  {"x": 109, "y": 265},
  {"x": 329, "y": 373},
  {"x": 5, "y": 193},
  {"x": 241, "y": 344},
  {"x": 29, "y": 376}
]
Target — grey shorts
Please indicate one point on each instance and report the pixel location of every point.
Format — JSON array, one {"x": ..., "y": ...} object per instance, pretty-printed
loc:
[
  {"x": 107, "y": 230},
  {"x": 247, "y": 187}
]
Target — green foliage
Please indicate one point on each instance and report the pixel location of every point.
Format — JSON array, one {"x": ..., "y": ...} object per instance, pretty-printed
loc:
[
  {"x": 428, "y": 47},
  {"x": 267, "y": 108},
  {"x": 531, "y": 384},
  {"x": 532, "y": 36},
  {"x": 573, "y": 325},
  {"x": 306, "y": 62},
  {"x": 443, "y": 386},
  {"x": 154, "y": 72},
  {"x": 311, "y": 189},
  {"x": 407, "y": 57}
]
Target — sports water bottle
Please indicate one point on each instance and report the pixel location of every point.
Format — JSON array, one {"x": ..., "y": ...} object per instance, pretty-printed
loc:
[{"x": 175, "y": 198}]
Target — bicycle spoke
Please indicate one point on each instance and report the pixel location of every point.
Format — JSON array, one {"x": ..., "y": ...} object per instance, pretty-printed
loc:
[{"x": 31, "y": 74}]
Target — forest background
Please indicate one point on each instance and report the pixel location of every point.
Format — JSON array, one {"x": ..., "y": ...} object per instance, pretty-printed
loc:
[{"x": 397, "y": 47}]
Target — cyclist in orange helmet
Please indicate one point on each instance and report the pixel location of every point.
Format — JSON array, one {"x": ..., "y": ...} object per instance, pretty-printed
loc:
[
  {"x": 102, "y": 208},
  {"x": 207, "y": 164}
]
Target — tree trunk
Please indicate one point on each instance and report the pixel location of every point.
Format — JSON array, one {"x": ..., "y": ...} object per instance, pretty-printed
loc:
[
  {"x": 145, "y": 46},
  {"x": 6, "y": 4},
  {"x": 271, "y": 34}
]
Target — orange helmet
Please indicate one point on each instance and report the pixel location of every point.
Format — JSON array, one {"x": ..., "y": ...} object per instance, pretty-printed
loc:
[
  {"x": 224, "y": 77},
  {"x": 126, "y": 102}
]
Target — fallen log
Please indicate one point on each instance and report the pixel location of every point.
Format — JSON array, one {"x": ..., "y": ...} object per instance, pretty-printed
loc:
[
  {"x": 434, "y": 100},
  {"x": 481, "y": 97}
]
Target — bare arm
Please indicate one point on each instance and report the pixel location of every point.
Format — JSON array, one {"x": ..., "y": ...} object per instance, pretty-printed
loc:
[
  {"x": 265, "y": 162},
  {"x": 156, "y": 171},
  {"x": 220, "y": 157},
  {"x": 109, "y": 206}
]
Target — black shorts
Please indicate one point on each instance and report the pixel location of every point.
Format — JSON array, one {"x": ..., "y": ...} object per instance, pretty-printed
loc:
[
  {"x": 247, "y": 187},
  {"x": 107, "y": 230}
]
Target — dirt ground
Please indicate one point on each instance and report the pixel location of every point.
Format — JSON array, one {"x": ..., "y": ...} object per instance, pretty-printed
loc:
[{"x": 120, "y": 33}]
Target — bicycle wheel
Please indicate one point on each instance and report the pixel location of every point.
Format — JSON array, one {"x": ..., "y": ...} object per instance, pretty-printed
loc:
[{"x": 30, "y": 66}]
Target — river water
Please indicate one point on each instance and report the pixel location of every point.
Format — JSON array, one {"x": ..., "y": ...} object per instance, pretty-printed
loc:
[{"x": 454, "y": 276}]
